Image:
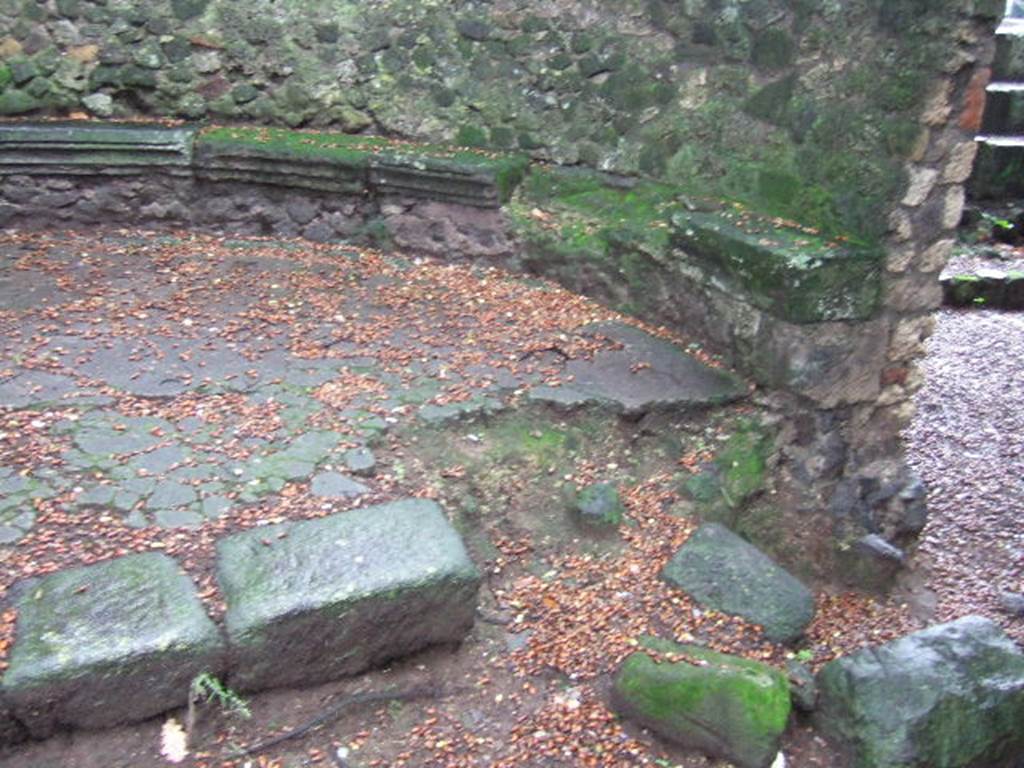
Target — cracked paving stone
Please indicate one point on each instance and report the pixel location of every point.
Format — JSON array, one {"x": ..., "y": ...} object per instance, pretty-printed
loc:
[{"x": 334, "y": 485}]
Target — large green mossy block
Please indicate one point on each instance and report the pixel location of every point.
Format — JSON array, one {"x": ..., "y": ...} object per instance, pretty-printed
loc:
[
  {"x": 598, "y": 226},
  {"x": 444, "y": 173},
  {"x": 951, "y": 696},
  {"x": 722, "y": 705},
  {"x": 112, "y": 643},
  {"x": 92, "y": 147},
  {"x": 313, "y": 601},
  {"x": 796, "y": 275},
  {"x": 722, "y": 571}
]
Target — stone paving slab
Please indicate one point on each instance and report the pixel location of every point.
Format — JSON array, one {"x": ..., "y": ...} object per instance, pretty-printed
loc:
[
  {"x": 107, "y": 644},
  {"x": 320, "y": 599},
  {"x": 645, "y": 374}
]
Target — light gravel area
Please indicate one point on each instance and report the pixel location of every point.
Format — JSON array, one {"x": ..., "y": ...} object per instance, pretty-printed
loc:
[
  {"x": 967, "y": 443},
  {"x": 967, "y": 261}
]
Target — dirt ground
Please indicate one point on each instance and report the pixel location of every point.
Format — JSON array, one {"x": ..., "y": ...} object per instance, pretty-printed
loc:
[{"x": 560, "y": 605}]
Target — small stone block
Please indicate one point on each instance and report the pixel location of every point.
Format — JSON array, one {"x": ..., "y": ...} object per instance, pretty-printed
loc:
[
  {"x": 726, "y": 573},
  {"x": 320, "y": 599},
  {"x": 599, "y": 505},
  {"x": 722, "y": 705},
  {"x": 360, "y": 461},
  {"x": 106, "y": 644}
]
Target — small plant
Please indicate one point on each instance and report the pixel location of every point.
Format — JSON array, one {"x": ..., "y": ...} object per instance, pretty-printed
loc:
[
  {"x": 804, "y": 655},
  {"x": 996, "y": 221},
  {"x": 207, "y": 687}
]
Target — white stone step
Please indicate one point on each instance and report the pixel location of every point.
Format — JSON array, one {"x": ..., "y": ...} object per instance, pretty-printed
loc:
[
  {"x": 1000, "y": 141},
  {"x": 1005, "y": 87}
]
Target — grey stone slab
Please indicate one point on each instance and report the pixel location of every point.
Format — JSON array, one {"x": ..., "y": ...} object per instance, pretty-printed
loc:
[
  {"x": 437, "y": 415},
  {"x": 215, "y": 506},
  {"x": 97, "y": 496},
  {"x": 950, "y": 696},
  {"x": 10, "y": 535},
  {"x": 313, "y": 446},
  {"x": 646, "y": 374},
  {"x": 160, "y": 460},
  {"x": 112, "y": 643},
  {"x": 316, "y": 600},
  {"x": 360, "y": 461},
  {"x": 724, "y": 572},
  {"x": 31, "y": 387},
  {"x": 169, "y": 494},
  {"x": 178, "y": 518},
  {"x": 103, "y": 441},
  {"x": 334, "y": 485}
]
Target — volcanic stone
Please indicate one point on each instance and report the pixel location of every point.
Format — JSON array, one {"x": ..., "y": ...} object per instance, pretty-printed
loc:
[
  {"x": 950, "y": 696},
  {"x": 107, "y": 644},
  {"x": 316, "y": 600},
  {"x": 724, "y": 572}
]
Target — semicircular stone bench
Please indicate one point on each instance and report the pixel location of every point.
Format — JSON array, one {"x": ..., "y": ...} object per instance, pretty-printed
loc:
[
  {"x": 792, "y": 308},
  {"x": 307, "y": 602}
]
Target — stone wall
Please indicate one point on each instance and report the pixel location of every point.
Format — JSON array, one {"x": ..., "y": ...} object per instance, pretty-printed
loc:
[{"x": 802, "y": 109}]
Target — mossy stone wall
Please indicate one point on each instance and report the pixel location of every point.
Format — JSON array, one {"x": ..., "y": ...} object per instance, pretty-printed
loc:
[{"x": 802, "y": 109}]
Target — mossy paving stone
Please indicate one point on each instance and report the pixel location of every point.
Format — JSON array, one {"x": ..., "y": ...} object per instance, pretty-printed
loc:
[
  {"x": 106, "y": 644},
  {"x": 313, "y": 601},
  {"x": 724, "y": 572}
]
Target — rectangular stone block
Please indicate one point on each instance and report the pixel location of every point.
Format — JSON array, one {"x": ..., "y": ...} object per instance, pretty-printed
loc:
[
  {"x": 320, "y": 599},
  {"x": 106, "y": 644},
  {"x": 91, "y": 148},
  {"x": 793, "y": 274}
]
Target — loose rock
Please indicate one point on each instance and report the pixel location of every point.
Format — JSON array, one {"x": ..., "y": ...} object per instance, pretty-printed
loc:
[
  {"x": 726, "y": 573},
  {"x": 725, "y": 706},
  {"x": 950, "y": 696},
  {"x": 599, "y": 505}
]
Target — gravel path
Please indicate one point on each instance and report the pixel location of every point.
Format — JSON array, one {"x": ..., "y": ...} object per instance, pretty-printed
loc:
[{"x": 967, "y": 443}]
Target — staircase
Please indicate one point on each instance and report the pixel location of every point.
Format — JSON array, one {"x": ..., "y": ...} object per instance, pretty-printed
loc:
[{"x": 999, "y": 170}]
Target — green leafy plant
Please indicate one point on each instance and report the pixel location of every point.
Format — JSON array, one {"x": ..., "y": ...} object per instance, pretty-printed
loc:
[
  {"x": 995, "y": 221},
  {"x": 207, "y": 687},
  {"x": 804, "y": 655}
]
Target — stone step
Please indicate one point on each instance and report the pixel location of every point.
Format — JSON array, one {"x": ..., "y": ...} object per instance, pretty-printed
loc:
[
  {"x": 107, "y": 644},
  {"x": 999, "y": 168},
  {"x": 320, "y": 161},
  {"x": 1004, "y": 109},
  {"x": 644, "y": 375},
  {"x": 81, "y": 148},
  {"x": 1008, "y": 63},
  {"x": 341, "y": 162},
  {"x": 984, "y": 289},
  {"x": 317, "y": 600}
]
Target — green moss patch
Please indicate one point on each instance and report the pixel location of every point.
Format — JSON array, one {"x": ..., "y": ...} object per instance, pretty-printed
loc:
[
  {"x": 358, "y": 151},
  {"x": 722, "y": 705},
  {"x": 791, "y": 271},
  {"x": 589, "y": 229}
]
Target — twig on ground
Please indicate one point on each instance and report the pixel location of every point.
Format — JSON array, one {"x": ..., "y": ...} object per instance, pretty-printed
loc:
[{"x": 334, "y": 710}]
